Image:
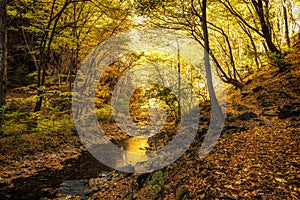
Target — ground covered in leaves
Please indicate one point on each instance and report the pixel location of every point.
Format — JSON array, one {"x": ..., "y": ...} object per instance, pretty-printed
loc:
[{"x": 257, "y": 156}]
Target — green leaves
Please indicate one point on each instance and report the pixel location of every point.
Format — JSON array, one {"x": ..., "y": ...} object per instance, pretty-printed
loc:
[{"x": 157, "y": 183}]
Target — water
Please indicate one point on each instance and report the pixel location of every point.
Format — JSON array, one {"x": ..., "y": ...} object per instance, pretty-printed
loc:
[{"x": 137, "y": 145}]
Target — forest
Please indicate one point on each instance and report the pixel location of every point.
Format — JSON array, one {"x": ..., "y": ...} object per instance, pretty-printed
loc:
[{"x": 149, "y": 99}]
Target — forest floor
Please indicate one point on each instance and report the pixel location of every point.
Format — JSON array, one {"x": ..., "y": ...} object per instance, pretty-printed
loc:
[{"x": 257, "y": 156}]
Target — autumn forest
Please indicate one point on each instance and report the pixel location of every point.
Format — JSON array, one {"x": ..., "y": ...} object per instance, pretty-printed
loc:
[{"x": 149, "y": 99}]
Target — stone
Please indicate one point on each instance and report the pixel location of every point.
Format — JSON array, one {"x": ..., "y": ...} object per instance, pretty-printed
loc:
[
  {"x": 74, "y": 187},
  {"x": 7, "y": 175},
  {"x": 284, "y": 114},
  {"x": 142, "y": 180},
  {"x": 244, "y": 94},
  {"x": 233, "y": 129},
  {"x": 247, "y": 116},
  {"x": 296, "y": 111},
  {"x": 269, "y": 114},
  {"x": 287, "y": 107},
  {"x": 3, "y": 183},
  {"x": 267, "y": 103},
  {"x": 248, "y": 82},
  {"x": 296, "y": 102},
  {"x": 262, "y": 123},
  {"x": 260, "y": 97},
  {"x": 242, "y": 108},
  {"x": 257, "y": 89}
]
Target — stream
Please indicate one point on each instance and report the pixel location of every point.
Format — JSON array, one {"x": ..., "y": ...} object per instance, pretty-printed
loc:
[{"x": 74, "y": 178}]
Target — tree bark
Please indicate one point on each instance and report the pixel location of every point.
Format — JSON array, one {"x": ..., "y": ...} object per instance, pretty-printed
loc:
[
  {"x": 265, "y": 28},
  {"x": 45, "y": 50},
  {"x": 248, "y": 33},
  {"x": 3, "y": 56},
  {"x": 287, "y": 35},
  {"x": 217, "y": 114}
]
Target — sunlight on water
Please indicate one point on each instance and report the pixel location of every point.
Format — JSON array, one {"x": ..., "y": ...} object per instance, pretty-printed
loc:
[{"x": 137, "y": 145}]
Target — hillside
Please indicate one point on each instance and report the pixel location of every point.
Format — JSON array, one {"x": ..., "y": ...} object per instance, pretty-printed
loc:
[
  {"x": 257, "y": 156},
  {"x": 130, "y": 84}
]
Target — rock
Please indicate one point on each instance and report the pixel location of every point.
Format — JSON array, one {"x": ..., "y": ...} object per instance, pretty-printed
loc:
[
  {"x": 242, "y": 108},
  {"x": 247, "y": 116},
  {"x": 296, "y": 102},
  {"x": 269, "y": 114},
  {"x": 7, "y": 175},
  {"x": 262, "y": 123},
  {"x": 229, "y": 127},
  {"x": 296, "y": 111},
  {"x": 142, "y": 179},
  {"x": 248, "y": 82},
  {"x": 233, "y": 129},
  {"x": 287, "y": 107},
  {"x": 86, "y": 192},
  {"x": 74, "y": 187},
  {"x": 201, "y": 131},
  {"x": 284, "y": 114},
  {"x": 267, "y": 103},
  {"x": 257, "y": 89},
  {"x": 260, "y": 97},
  {"x": 288, "y": 111},
  {"x": 244, "y": 94},
  {"x": 3, "y": 183},
  {"x": 204, "y": 119}
]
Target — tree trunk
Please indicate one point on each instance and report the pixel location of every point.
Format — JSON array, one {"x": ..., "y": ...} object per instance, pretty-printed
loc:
[
  {"x": 256, "y": 57},
  {"x": 211, "y": 90},
  {"x": 265, "y": 28},
  {"x": 217, "y": 116},
  {"x": 287, "y": 36},
  {"x": 45, "y": 50},
  {"x": 3, "y": 56},
  {"x": 179, "y": 78}
]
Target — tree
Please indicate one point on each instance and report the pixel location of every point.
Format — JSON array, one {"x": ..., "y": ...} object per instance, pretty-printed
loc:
[
  {"x": 45, "y": 48},
  {"x": 262, "y": 25},
  {"x": 286, "y": 23},
  {"x": 59, "y": 33},
  {"x": 186, "y": 16},
  {"x": 3, "y": 53},
  {"x": 217, "y": 114}
]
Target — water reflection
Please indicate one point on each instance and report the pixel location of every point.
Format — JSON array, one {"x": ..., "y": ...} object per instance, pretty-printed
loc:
[{"x": 137, "y": 145}]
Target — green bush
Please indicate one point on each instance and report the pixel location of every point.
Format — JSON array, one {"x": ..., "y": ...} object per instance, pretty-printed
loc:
[
  {"x": 104, "y": 114},
  {"x": 157, "y": 183}
]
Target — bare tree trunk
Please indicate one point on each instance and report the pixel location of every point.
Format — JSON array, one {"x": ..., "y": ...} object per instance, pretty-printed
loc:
[
  {"x": 265, "y": 28},
  {"x": 263, "y": 16},
  {"x": 287, "y": 37},
  {"x": 74, "y": 51},
  {"x": 3, "y": 56},
  {"x": 256, "y": 57},
  {"x": 248, "y": 33},
  {"x": 45, "y": 50},
  {"x": 218, "y": 114},
  {"x": 232, "y": 62},
  {"x": 225, "y": 78},
  {"x": 179, "y": 78}
]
